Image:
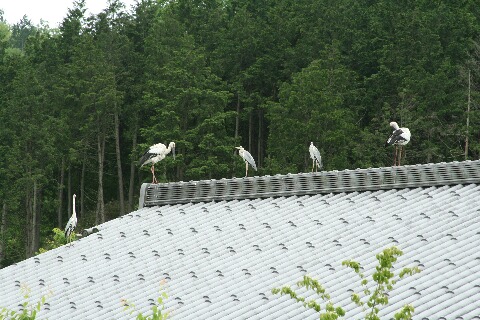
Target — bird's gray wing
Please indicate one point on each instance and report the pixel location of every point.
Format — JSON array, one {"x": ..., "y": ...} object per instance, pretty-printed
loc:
[{"x": 248, "y": 157}]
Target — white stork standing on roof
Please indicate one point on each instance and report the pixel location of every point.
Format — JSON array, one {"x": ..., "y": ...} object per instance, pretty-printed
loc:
[
  {"x": 71, "y": 224},
  {"x": 400, "y": 137},
  {"x": 316, "y": 157},
  {"x": 154, "y": 154},
  {"x": 247, "y": 157}
]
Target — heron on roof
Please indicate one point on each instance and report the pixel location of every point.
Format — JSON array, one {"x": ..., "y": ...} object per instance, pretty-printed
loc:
[
  {"x": 71, "y": 224},
  {"x": 315, "y": 156},
  {"x": 400, "y": 137},
  {"x": 247, "y": 157},
  {"x": 154, "y": 154}
]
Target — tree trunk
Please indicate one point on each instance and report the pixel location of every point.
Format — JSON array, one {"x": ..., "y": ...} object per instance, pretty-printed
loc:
[
  {"x": 82, "y": 186},
  {"x": 260, "y": 139},
  {"x": 468, "y": 118},
  {"x": 33, "y": 234},
  {"x": 237, "y": 117},
  {"x": 3, "y": 230},
  {"x": 29, "y": 222},
  {"x": 34, "y": 218},
  {"x": 100, "y": 212},
  {"x": 132, "y": 172},
  {"x": 69, "y": 192},
  {"x": 237, "y": 128},
  {"x": 119, "y": 165},
  {"x": 60, "y": 195},
  {"x": 250, "y": 131},
  {"x": 37, "y": 214}
]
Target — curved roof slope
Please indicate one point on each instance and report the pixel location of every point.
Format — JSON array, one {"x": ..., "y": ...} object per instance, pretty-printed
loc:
[{"x": 221, "y": 259}]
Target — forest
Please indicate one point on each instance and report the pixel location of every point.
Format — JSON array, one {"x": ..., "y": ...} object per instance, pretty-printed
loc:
[{"x": 80, "y": 103}]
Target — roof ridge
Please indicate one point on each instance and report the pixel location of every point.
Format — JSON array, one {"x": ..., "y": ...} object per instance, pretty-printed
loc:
[{"x": 348, "y": 180}]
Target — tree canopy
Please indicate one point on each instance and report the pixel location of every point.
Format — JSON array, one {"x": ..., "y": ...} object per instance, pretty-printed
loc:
[{"x": 79, "y": 104}]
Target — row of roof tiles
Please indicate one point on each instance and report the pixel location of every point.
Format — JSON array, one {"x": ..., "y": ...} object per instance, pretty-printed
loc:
[{"x": 221, "y": 259}]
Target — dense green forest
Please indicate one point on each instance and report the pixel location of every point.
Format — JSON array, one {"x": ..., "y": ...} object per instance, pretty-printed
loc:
[{"x": 80, "y": 103}]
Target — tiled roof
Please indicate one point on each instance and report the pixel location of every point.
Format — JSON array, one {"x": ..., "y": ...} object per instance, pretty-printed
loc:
[
  {"x": 220, "y": 259},
  {"x": 420, "y": 175}
]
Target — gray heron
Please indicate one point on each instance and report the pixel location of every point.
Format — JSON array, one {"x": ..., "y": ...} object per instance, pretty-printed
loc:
[
  {"x": 154, "y": 154},
  {"x": 400, "y": 137},
  {"x": 71, "y": 224},
  {"x": 315, "y": 156},
  {"x": 247, "y": 157}
]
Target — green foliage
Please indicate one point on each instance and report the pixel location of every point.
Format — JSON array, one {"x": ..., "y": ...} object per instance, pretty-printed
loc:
[
  {"x": 384, "y": 279},
  {"x": 271, "y": 76},
  {"x": 331, "y": 312},
  {"x": 317, "y": 106},
  {"x": 29, "y": 311},
  {"x": 56, "y": 240},
  {"x": 158, "y": 309},
  {"x": 370, "y": 299}
]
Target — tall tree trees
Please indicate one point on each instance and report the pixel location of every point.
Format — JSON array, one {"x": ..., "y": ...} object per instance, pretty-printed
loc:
[
  {"x": 79, "y": 103},
  {"x": 186, "y": 101},
  {"x": 318, "y": 106}
]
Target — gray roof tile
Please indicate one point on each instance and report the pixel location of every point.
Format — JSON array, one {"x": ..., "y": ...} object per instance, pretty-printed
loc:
[{"x": 221, "y": 259}]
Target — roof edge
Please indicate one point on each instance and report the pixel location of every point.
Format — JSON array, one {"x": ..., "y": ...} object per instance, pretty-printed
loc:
[{"x": 411, "y": 176}]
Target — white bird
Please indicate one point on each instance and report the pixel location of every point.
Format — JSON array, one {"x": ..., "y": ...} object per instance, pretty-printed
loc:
[
  {"x": 247, "y": 157},
  {"x": 154, "y": 154},
  {"x": 400, "y": 137},
  {"x": 71, "y": 224},
  {"x": 315, "y": 156}
]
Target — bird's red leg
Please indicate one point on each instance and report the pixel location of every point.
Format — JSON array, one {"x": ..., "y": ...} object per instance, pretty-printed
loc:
[
  {"x": 402, "y": 152},
  {"x": 395, "y": 156},
  {"x": 152, "y": 168}
]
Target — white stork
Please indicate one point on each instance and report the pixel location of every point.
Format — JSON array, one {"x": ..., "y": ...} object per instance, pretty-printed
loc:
[
  {"x": 247, "y": 157},
  {"x": 400, "y": 137},
  {"x": 315, "y": 156},
  {"x": 71, "y": 224},
  {"x": 154, "y": 154}
]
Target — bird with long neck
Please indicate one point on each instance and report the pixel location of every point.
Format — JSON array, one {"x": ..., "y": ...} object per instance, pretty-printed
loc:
[
  {"x": 72, "y": 223},
  {"x": 247, "y": 157},
  {"x": 154, "y": 154},
  {"x": 315, "y": 156}
]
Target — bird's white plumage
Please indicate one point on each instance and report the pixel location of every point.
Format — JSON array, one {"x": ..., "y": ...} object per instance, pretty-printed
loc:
[
  {"x": 399, "y": 136},
  {"x": 247, "y": 157},
  {"x": 156, "y": 153},
  {"x": 72, "y": 222},
  {"x": 315, "y": 156}
]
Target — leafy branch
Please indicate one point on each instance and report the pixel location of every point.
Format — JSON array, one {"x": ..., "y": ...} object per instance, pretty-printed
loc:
[
  {"x": 158, "y": 310},
  {"x": 28, "y": 312},
  {"x": 370, "y": 300},
  {"x": 331, "y": 312},
  {"x": 385, "y": 280},
  {"x": 56, "y": 240}
]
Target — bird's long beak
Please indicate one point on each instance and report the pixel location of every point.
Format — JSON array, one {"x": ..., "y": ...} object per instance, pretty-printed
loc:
[{"x": 237, "y": 147}]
